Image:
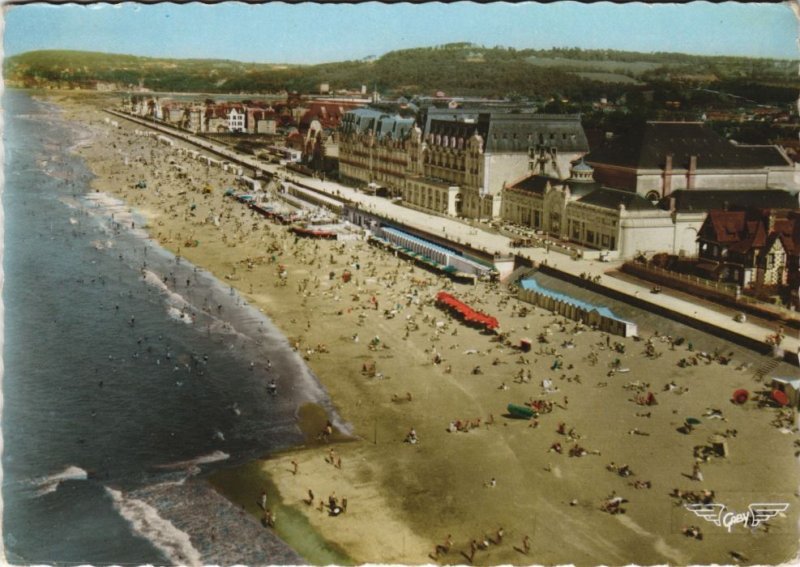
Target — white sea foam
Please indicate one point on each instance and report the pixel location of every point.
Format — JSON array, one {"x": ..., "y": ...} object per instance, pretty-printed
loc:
[
  {"x": 105, "y": 204},
  {"x": 201, "y": 460},
  {"x": 162, "y": 533},
  {"x": 179, "y": 315},
  {"x": 177, "y": 306},
  {"x": 50, "y": 483}
]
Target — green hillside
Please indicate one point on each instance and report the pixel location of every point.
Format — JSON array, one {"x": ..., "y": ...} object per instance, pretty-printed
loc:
[{"x": 461, "y": 68}]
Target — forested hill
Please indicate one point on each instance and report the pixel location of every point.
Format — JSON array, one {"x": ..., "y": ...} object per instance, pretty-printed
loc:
[{"x": 459, "y": 68}]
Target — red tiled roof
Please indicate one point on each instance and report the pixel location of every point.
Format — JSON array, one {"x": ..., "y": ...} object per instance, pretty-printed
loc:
[
  {"x": 742, "y": 231},
  {"x": 727, "y": 225}
]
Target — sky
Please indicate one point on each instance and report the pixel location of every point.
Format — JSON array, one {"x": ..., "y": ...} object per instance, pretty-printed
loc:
[{"x": 317, "y": 33}]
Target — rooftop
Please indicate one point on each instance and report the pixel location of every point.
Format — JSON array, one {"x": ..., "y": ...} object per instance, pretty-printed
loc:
[
  {"x": 648, "y": 146},
  {"x": 505, "y": 132},
  {"x": 703, "y": 200}
]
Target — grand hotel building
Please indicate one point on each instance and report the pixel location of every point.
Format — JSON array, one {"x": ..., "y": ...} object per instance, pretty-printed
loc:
[{"x": 460, "y": 160}]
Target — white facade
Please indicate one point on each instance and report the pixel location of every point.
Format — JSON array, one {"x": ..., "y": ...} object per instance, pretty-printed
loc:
[{"x": 236, "y": 121}]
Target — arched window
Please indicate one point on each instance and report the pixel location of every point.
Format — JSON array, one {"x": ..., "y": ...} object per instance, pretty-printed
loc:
[{"x": 653, "y": 197}]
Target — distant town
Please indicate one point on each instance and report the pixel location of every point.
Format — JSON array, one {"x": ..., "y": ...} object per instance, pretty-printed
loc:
[{"x": 676, "y": 193}]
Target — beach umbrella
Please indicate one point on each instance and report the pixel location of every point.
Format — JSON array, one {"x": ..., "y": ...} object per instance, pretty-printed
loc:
[
  {"x": 740, "y": 396},
  {"x": 780, "y": 398},
  {"x": 692, "y": 421}
]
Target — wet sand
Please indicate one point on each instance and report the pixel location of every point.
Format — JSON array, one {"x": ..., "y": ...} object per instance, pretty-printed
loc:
[{"x": 403, "y": 498}]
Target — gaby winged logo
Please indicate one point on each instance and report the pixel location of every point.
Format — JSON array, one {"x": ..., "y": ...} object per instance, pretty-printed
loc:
[{"x": 752, "y": 518}]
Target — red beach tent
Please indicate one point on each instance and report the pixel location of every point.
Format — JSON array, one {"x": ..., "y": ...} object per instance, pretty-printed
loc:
[{"x": 469, "y": 314}]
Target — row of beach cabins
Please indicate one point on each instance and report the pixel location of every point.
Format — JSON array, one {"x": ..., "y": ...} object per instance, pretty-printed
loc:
[{"x": 250, "y": 182}]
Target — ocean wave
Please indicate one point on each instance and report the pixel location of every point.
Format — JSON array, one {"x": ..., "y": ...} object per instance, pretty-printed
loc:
[
  {"x": 179, "y": 315},
  {"x": 178, "y": 307},
  {"x": 162, "y": 533},
  {"x": 201, "y": 460},
  {"x": 49, "y": 484}
]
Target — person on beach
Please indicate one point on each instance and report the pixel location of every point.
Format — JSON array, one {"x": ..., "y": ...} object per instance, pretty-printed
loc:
[
  {"x": 294, "y": 467},
  {"x": 263, "y": 500},
  {"x": 692, "y": 531},
  {"x": 473, "y": 547},
  {"x": 310, "y": 500},
  {"x": 269, "y": 519},
  {"x": 326, "y": 432},
  {"x": 443, "y": 548},
  {"x": 697, "y": 474},
  {"x": 526, "y": 545}
]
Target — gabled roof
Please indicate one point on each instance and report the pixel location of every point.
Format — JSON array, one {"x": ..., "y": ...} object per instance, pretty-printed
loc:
[
  {"x": 647, "y": 147},
  {"x": 729, "y": 226},
  {"x": 744, "y": 230},
  {"x": 329, "y": 113}
]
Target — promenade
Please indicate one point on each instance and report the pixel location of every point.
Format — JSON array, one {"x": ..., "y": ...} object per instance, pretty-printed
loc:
[{"x": 459, "y": 231}]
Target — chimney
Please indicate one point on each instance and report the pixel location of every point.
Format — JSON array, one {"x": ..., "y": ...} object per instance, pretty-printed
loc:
[
  {"x": 770, "y": 222},
  {"x": 690, "y": 175},
  {"x": 667, "y": 185}
]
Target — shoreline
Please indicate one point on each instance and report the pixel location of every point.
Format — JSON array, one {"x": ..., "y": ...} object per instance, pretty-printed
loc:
[
  {"x": 404, "y": 499},
  {"x": 239, "y": 483}
]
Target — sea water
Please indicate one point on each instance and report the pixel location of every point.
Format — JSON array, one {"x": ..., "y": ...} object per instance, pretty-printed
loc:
[{"x": 129, "y": 374}]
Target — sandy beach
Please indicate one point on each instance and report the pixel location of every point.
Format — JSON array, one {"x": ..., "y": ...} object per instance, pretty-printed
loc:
[{"x": 393, "y": 361}]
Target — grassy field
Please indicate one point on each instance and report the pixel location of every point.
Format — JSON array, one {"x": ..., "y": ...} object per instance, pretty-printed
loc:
[
  {"x": 608, "y": 66},
  {"x": 608, "y": 77}
]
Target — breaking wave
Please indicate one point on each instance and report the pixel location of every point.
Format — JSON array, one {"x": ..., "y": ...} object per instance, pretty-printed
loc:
[
  {"x": 171, "y": 541},
  {"x": 50, "y": 483},
  {"x": 202, "y": 460}
]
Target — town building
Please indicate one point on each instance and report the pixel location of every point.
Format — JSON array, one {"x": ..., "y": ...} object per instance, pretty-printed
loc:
[
  {"x": 661, "y": 157},
  {"x": 582, "y": 211},
  {"x": 457, "y": 163},
  {"x": 375, "y": 148},
  {"x": 319, "y": 129},
  {"x": 621, "y": 223},
  {"x": 236, "y": 119},
  {"x": 755, "y": 248},
  {"x": 261, "y": 120}
]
